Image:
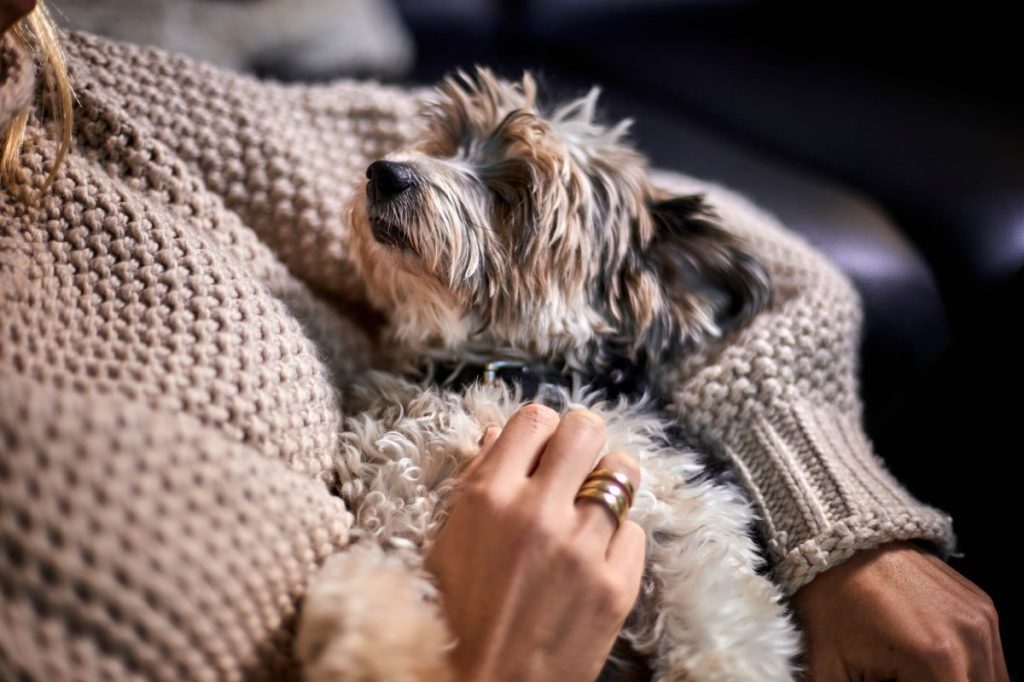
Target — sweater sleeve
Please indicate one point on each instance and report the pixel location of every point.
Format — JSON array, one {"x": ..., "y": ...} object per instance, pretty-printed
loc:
[
  {"x": 779, "y": 400},
  {"x": 137, "y": 545}
]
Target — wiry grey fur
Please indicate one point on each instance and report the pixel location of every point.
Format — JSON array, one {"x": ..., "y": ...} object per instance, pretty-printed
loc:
[
  {"x": 541, "y": 236},
  {"x": 544, "y": 234}
]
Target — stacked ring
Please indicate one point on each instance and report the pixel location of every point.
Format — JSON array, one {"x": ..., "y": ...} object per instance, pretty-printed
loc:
[{"x": 612, "y": 489}]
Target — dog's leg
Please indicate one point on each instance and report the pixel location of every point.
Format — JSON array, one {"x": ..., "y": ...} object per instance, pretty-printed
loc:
[
  {"x": 369, "y": 613},
  {"x": 367, "y": 616}
]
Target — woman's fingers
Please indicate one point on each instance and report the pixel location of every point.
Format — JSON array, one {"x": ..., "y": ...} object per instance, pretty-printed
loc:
[
  {"x": 560, "y": 452},
  {"x": 521, "y": 442},
  {"x": 487, "y": 441},
  {"x": 569, "y": 456},
  {"x": 1000, "y": 673},
  {"x": 625, "y": 559},
  {"x": 554, "y": 455},
  {"x": 491, "y": 434},
  {"x": 980, "y": 621}
]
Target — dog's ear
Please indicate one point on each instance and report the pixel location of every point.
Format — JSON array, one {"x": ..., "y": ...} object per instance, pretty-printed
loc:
[{"x": 710, "y": 282}]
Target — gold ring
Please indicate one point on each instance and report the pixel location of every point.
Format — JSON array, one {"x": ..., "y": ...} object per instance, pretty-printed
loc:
[
  {"x": 612, "y": 489},
  {"x": 612, "y": 476}
]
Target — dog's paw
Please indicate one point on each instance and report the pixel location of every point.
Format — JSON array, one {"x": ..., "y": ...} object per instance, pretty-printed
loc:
[{"x": 366, "y": 616}]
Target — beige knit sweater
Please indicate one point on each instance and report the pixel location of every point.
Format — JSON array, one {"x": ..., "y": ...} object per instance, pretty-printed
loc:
[{"x": 173, "y": 370}]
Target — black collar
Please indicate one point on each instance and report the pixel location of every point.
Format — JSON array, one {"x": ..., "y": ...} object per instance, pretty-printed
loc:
[{"x": 537, "y": 380}]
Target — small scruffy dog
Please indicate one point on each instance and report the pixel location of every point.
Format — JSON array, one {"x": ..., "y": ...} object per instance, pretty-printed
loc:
[{"x": 514, "y": 244}]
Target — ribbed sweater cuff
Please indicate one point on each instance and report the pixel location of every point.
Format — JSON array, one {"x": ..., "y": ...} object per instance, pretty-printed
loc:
[{"x": 822, "y": 494}]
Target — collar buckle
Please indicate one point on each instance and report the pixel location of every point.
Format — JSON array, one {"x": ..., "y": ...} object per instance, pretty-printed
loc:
[{"x": 492, "y": 368}]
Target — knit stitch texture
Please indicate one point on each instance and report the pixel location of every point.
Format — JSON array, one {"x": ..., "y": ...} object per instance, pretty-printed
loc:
[{"x": 173, "y": 365}]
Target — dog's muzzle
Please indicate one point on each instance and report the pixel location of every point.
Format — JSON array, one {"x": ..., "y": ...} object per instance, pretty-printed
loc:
[
  {"x": 389, "y": 234},
  {"x": 387, "y": 180}
]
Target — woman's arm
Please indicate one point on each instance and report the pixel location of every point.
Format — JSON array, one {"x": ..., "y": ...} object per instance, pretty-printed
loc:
[
  {"x": 138, "y": 544},
  {"x": 779, "y": 400}
]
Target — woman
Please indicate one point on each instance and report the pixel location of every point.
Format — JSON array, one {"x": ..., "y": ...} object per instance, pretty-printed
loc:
[{"x": 170, "y": 410}]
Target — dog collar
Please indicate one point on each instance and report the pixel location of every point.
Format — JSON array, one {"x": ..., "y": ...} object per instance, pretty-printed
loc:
[
  {"x": 532, "y": 378},
  {"x": 536, "y": 380}
]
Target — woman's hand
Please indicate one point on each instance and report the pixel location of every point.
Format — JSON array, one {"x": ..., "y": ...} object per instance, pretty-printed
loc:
[
  {"x": 898, "y": 612},
  {"x": 13, "y": 10},
  {"x": 536, "y": 587}
]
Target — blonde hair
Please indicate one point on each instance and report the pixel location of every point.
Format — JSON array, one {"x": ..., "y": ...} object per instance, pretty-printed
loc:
[{"x": 38, "y": 35}]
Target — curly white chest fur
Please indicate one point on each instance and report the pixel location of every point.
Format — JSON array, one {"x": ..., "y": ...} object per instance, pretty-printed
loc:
[{"x": 703, "y": 612}]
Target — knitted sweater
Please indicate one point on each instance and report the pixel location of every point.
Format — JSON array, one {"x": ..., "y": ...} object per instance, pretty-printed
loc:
[{"x": 173, "y": 366}]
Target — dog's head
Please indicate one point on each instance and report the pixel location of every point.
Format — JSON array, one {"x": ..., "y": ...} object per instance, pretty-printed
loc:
[{"x": 509, "y": 227}]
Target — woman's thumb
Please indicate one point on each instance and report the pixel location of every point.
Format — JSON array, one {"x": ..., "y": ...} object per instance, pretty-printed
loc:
[{"x": 491, "y": 434}]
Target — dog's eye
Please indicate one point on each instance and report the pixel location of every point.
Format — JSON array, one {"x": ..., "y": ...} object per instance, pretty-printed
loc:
[{"x": 501, "y": 195}]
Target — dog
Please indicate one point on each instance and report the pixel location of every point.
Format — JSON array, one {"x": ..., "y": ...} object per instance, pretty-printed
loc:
[{"x": 516, "y": 255}]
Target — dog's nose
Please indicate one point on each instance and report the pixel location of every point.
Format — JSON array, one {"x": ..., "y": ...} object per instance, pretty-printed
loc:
[{"x": 388, "y": 179}]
